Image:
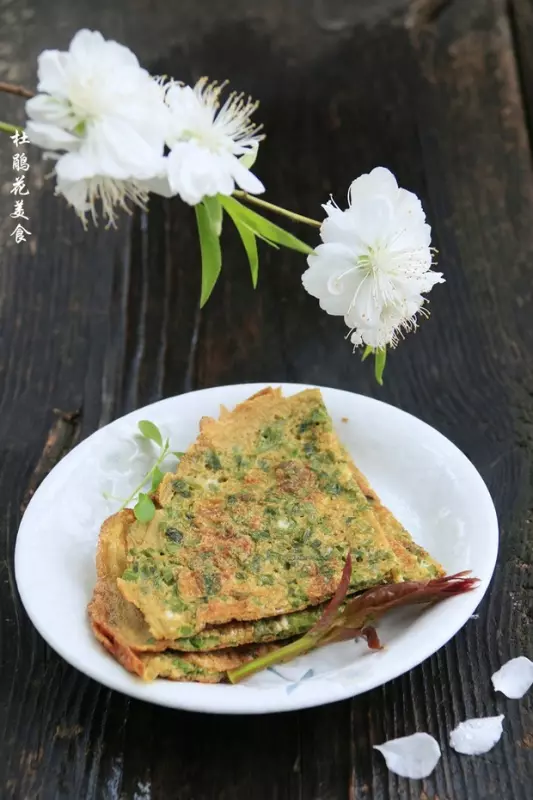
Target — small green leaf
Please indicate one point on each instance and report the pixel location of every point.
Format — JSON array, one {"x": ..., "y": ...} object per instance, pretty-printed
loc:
[
  {"x": 157, "y": 477},
  {"x": 150, "y": 431},
  {"x": 250, "y": 245},
  {"x": 178, "y": 453},
  {"x": 211, "y": 253},
  {"x": 379, "y": 364},
  {"x": 368, "y": 351},
  {"x": 144, "y": 508},
  {"x": 215, "y": 213},
  {"x": 263, "y": 227}
]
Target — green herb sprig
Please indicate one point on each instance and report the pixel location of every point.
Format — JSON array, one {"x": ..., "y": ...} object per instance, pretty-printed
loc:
[{"x": 144, "y": 508}]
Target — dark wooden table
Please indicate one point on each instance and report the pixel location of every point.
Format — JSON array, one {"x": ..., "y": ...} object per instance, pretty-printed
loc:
[{"x": 96, "y": 324}]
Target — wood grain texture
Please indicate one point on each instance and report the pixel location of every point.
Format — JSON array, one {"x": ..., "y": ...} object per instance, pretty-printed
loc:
[{"x": 442, "y": 93}]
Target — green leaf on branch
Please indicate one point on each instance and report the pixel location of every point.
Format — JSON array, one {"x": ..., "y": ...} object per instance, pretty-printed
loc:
[
  {"x": 157, "y": 477},
  {"x": 263, "y": 227},
  {"x": 211, "y": 252},
  {"x": 249, "y": 243},
  {"x": 150, "y": 431},
  {"x": 379, "y": 364},
  {"x": 144, "y": 508},
  {"x": 368, "y": 351},
  {"x": 215, "y": 213}
]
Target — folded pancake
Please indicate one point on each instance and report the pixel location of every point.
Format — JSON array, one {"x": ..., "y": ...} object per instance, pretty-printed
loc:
[
  {"x": 416, "y": 563},
  {"x": 256, "y": 522},
  {"x": 121, "y": 628}
]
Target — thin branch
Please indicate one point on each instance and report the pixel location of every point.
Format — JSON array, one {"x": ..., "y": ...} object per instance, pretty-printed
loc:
[
  {"x": 250, "y": 198},
  {"x": 12, "y": 88},
  {"x": 6, "y": 127}
]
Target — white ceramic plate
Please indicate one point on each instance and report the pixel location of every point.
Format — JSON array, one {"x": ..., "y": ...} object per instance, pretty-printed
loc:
[{"x": 425, "y": 480}]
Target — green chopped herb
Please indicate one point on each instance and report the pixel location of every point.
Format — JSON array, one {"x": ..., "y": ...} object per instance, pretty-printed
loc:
[
  {"x": 269, "y": 438},
  {"x": 212, "y": 461},
  {"x": 211, "y": 583},
  {"x": 256, "y": 536},
  {"x": 174, "y": 535},
  {"x": 184, "y": 666},
  {"x": 168, "y": 576},
  {"x": 181, "y": 488}
]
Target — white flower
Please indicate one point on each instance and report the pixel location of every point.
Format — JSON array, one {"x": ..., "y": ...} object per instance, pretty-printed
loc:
[
  {"x": 375, "y": 261},
  {"x": 210, "y": 144},
  {"x": 84, "y": 194},
  {"x": 103, "y": 116}
]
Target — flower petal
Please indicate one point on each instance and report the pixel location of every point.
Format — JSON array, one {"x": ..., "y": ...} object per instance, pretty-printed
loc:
[
  {"x": 194, "y": 172},
  {"x": 413, "y": 756},
  {"x": 75, "y": 192},
  {"x": 52, "y": 110},
  {"x": 331, "y": 277},
  {"x": 159, "y": 184},
  {"x": 85, "y": 45},
  {"x": 51, "y": 72},
  {"x": 51, "y": 137},
  {"x": 244, "y": 178},
  {"x": 338, "y": 227},
  {"x": 475, "y": 736},
  {"x": 380, "y": 181},
  {"x": 120, "y": 151},
  {"x": 515, "y": 678},
  {"x": 74, "y": 167}
]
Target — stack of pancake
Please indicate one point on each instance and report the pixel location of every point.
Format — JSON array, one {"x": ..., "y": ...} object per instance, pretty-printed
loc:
[{"x": 247, "y": 544}]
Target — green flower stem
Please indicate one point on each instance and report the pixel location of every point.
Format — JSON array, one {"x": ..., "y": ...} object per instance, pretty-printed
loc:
[
  {"x": 250, "y": 198},
  {"x": 287, "y": 653},
  {"x": 8, "y": 128},
  {"x": 164, "y": 452}
]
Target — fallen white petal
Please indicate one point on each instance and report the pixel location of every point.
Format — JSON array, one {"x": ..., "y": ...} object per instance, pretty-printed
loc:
[
  {"x": 514, "y": 678},
  {"x": 475, "y": 736},
  {"x": 413, "y": 756}
]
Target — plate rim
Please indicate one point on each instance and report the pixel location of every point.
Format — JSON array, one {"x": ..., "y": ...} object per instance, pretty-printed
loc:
[{"x": 256, "y": 702}]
